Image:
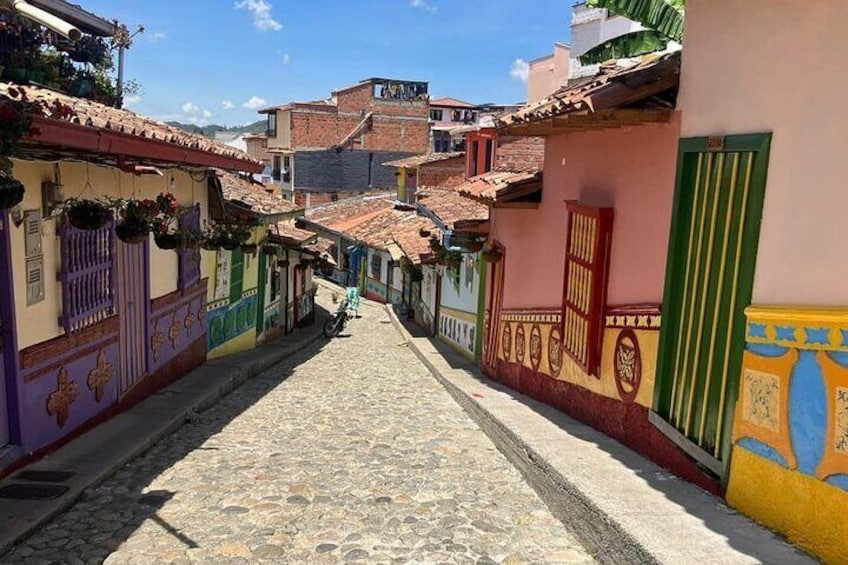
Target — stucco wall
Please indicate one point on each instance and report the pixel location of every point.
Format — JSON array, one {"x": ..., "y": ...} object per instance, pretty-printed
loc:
[
  {"x": 629, "y": 169},
  {"x": 547, "y": 74},
  {"x": 733, "y": 81},
  {"x": 463, "y": 298},
  {"x": 39, "y": 322}
]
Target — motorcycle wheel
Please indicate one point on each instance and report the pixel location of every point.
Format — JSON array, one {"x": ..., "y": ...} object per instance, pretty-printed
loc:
[{"x": 333, "y": 325}]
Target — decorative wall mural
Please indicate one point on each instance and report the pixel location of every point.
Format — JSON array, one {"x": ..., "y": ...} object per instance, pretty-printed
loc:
[
  {"x": 174, "y": 330},
  {"x": 627, "y": 365},
  {"x": 761, "y": 399},
  {"x": 506, "y": 342},
  {"x": 841, "y": 431},
  {"x": 555, "y": 351},
  {"x": 60, "y": 400},
  {"x": 535, "y": 347},
  {"x": 190, "y": 320},
  {"x": 100, "y": 376},
  {"x": 157, "y": 341},
  {"x": 519, "y": 344}
]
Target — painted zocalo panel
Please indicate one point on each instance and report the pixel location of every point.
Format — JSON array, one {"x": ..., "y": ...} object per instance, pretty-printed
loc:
[{"x": 458, "y": 329}]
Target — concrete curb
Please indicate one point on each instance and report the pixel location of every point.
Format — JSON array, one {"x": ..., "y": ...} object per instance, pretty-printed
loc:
[
  {"x": 603, "y": 537},
  {"x": 18, "y": 519}
]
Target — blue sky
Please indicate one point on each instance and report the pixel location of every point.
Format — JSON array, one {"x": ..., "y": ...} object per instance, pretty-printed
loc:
[{"x": 215, "y": 61}]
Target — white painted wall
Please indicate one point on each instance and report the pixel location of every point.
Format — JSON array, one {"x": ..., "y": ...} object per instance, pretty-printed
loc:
[
  {"x": 739, "y": 77},
  {"x": 466, "y": 296}
]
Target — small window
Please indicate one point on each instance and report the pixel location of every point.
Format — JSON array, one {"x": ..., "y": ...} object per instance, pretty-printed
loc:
[
  {"x": 376, "y": 266},
  {"x": 370, "y": 169},
  {"x": 277, "y": 174},
  {"x": 272, "y": 124},
  {"x": 436, "y": 115},
  {"x": 236, "y": 275},
  {"x": 287, "y": 163},
  {"x": 473, "y": 154},
  {"x": 490, "y": 153}
]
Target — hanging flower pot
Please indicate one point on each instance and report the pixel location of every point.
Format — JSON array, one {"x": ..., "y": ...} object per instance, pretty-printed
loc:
[
  {"x": 85, "y": 214},
  {"x": 166, "y": 240},
  {"x": 133, "y": 231},
  {"x": 230, "y": 245},
  {"x": 11, "y": 191},
  {"x": 492, "y": 255},
  {"x": 210, "y": 243},
  {"x": 268, "y": 249},
  {"x": 249, "y": 248}
]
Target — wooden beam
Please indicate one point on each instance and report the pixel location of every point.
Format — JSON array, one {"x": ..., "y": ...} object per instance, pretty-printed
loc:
[{"x": 517, "y": 205}]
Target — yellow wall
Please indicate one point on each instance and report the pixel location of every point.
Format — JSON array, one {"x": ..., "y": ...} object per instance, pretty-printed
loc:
[
  {"x": 646, "y": 331},
  {"x": 243, "y": 342},
  {"x": 283, "y": 139},
  {"x": 39, "y": 322}
]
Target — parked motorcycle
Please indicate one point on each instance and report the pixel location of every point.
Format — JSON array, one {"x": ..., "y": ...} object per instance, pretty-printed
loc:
[{"x": 337, "y": 320}]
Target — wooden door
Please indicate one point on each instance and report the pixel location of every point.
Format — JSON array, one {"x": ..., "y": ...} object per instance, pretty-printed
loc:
[
  {"x": 496, "y": 281},
  {"x": 709, "y": 280},
  {"x": 132, "y": 300}
]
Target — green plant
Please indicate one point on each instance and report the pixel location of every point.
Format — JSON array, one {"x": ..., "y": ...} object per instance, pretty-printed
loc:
[
  {"x": 662, "y": 20},
  {"x": 229, "y": 233}
]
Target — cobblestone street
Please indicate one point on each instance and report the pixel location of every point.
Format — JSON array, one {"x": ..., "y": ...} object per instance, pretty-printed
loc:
[{"x": 347, "y": 452}]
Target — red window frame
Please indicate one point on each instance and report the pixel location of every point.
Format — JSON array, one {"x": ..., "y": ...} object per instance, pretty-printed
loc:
[{"x": 584, "y": 294}]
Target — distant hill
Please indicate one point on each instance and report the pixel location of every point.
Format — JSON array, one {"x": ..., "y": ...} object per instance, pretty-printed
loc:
[{"x": 209, "y": 131}]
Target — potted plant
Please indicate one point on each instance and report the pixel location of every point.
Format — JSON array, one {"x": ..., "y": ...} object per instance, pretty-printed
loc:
[
  {"x": 84, "y": 213},
  {"x": 249, "y": 248},
  {"x": 492, "y": 255},
  {"x": 136, "y": 220},
  {"x": 15, "y": 124},
  {"x": 228, "y": 233}
]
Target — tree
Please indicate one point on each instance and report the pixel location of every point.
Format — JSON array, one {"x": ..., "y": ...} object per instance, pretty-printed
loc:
[{"x": 662, "y": 20}]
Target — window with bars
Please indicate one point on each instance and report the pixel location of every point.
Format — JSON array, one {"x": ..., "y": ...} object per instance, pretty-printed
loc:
[
  {"x": 586, "y": 274},
  {"x": 236, "y": 275},
  {"x": 189, "y": 258},
  {"x": 376, "y": 265},
  {"x": 87, "y": 276}
]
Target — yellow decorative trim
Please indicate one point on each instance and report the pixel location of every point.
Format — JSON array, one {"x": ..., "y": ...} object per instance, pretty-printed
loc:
[
  {"x": 636, "y": 321},
  {"x": 762, "y": 412},
  {"x": 816, "y": 329},
  {"x": 835, "y": 458},
  {"x": 459, "y": 314},
  {"x": 532, "y": 317}
]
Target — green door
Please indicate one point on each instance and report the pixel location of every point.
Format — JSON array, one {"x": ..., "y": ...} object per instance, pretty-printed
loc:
[{"x": 709, "y": 278}]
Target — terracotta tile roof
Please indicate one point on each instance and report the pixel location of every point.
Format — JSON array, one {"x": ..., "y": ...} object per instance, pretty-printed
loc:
[
  {"x": 251, "y": 195},
  {"x": 418, "y": 160},
  {"x": 501, "y": 185},
  {"x": 287, "y": 232},
  {"x": 96, "y": 115},
  {"x": 400, "y": 227},
  {"x": 451, "y": 102},
  {"x": 452, "y": 208},
  {"x": 408, "y": 237},
  {"x": 613, "y": 87},
  {"x": 348, "y": 213}
]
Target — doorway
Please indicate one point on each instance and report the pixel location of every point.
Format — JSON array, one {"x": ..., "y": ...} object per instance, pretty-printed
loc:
[
  {"x": 709, "y": 282},
  {"x": 132, "y": 296}
]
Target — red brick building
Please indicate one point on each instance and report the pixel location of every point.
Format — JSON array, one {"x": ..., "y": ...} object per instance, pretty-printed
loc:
[{"x": 325, "y": 150}]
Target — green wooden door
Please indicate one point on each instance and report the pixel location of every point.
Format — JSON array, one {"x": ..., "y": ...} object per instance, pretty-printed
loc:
[{"x": 709, "y": 278}]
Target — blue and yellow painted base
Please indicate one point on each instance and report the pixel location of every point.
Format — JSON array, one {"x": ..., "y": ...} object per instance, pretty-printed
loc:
[
  {"x": 243, "y": 342},
  {"x": 789, "y": 467}
]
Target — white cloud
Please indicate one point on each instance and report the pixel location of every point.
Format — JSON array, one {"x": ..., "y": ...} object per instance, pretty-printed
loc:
[
  {"x": 255, "y": 103},
  {"x": 158, "y": 36},
  {"x": 227, "y": 105},
  {"x": 193, "y": 114},
  {"x": 131, "y": 100},
  {"x": 424, "y": 5},
  {"x": 263, "y": 19},
  {"x": 519, "y": 70},
  {"x": 190, "y": 108},
  {"x": 286, "y": 58}
]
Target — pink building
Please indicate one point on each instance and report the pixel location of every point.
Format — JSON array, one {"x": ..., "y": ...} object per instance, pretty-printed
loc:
[{"x": 547, "y": 74}]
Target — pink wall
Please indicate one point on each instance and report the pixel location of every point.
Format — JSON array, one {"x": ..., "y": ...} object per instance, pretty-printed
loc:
[
  {"x": 547, "y": 74},
  {"x": 630, "y": 169},
  {"x": 739, "y": 77}
]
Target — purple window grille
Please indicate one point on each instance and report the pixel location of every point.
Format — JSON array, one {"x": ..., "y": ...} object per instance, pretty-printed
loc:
[
  {"x": 189, "y": 257},
  {"x": 87, "y": 276}
]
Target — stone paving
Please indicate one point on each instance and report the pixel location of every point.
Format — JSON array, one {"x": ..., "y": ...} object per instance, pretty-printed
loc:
[{"x": 347, "y": 452}]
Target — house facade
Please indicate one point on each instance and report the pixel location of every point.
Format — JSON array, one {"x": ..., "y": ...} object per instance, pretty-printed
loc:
[
  {"x": 332, "y": 149},
  {"x": 783, "y": 320},
  {"x": 87, "y": 327}
]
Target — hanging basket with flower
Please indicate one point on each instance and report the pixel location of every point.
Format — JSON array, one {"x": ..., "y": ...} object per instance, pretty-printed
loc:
[
  {"x": 84, "y": 213},
  {"x": 165, "y": 225},
  {"x": 492, "y": 255},
  {"x": 136, "y": 220},
  {"x": 229, "y": 233}
]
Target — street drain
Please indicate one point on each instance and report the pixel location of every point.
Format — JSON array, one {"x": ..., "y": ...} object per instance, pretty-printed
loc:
[
  {"x": 45, "y": 476},
  {"x": 32, "y": 491}
]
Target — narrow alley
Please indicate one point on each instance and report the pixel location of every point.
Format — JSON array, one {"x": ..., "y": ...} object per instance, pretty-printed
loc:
[{"x": 347, "y": 451}]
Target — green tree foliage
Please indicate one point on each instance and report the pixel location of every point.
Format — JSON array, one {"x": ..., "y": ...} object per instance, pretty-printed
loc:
[{"x": 662, "y": 20}]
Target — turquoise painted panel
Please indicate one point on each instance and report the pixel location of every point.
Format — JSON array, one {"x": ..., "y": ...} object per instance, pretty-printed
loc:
[
  {"x": 807, "y": 412},
  {"x": 757, "y": 330},
  {"x": 230, "y": 322},
  {"x": 839, "y": 481}
]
